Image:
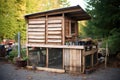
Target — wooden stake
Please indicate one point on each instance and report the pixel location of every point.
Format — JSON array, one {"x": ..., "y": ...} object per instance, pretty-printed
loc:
[{"x": 106, "y": 54}]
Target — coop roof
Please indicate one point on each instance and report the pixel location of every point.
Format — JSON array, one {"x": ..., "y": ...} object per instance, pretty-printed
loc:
[{"x": 74, "y": 12}]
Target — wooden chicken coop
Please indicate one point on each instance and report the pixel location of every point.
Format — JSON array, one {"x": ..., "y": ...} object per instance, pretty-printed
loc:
[{"x": 52, "y": 40}]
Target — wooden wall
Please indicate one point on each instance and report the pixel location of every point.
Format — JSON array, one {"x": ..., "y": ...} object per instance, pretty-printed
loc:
[
  {"x": 73, "y": 60},
  {"x": 68, "y": 35},
  {"x": 54, "y": 30},
  {"x": 45, "y": 30},
  {"x": 36, "y": 31}
]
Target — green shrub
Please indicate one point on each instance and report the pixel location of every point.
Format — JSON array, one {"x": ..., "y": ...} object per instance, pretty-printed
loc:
[{"x": 14, "y": 53}]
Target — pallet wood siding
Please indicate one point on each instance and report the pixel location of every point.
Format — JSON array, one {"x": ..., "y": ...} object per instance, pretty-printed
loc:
[
  {"x": 36, "y": 31},
  {"x": 72, "y": 60},
  {"x": 67, "y": 31},
  {"x": 68, "y": 35},
  {"x": 54, "y": 30}
]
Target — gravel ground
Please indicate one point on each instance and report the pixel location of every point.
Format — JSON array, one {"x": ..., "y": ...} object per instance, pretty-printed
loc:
[{"x": 10, "y": 72}]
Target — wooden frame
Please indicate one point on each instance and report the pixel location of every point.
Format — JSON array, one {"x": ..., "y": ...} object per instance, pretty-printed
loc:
[{"x": 51, "y": 29}]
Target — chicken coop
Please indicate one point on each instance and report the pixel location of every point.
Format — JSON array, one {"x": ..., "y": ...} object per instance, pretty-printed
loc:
[{"x": 53, "y": 43}]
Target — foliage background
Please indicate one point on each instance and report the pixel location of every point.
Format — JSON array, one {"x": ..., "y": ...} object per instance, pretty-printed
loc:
[
  {"x": 105, "y": 22},
  {"x": 12, "y": 15}
]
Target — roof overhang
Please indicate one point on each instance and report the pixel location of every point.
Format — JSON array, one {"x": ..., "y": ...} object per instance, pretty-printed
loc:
[{"x": 74, "y": 12}]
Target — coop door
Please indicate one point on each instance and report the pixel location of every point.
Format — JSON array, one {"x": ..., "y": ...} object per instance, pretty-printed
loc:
[{"x": 55, "y": 58}]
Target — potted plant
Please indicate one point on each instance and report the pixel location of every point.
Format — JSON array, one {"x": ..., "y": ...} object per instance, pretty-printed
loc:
[{"x": 21, "y": 61}]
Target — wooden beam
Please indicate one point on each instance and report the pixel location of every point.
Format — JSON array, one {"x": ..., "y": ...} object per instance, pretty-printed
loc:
[
  {"x": 35, "y": 33},
  {"x": 33, "y": 40},
  {"x": 36, "y": 37},
  {"x": 32, "y": 30},
  {"x": 54, "y": 21},
  {"x": 37, "y": 19},
  {"x": 90, "y": 52},
  {"x": 54, "y": 25},
  {"x": 54, "y": 37},
  {"x": 56, "y": 32},
  {"x": 54, "y": 29},
  {"x": 37, "y": 22},
  {"x": 37, "y": 25},
  {"x": 65, "y": 11},
  {"x": 54, "y": 40},
  {"x": 36, "y": 16},
  {"x": 55, "y": 46},
  {"x": 48, "y": 69}
]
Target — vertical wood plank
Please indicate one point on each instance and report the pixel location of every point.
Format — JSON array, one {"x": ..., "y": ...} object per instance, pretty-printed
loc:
[
  {"x": 92, "y": 63},
  {"x": 46, "y": 29},
  {"x": 27, "y": 54},
  {"x": 47, "y": 57},
  {"x": 97, "y": 55},
  {"x": 63, "y": 61},
  {"x": 75, "y": 59},
  {"x": 27, "y": 39},
  {"x": 83, "y": 61},
  {"x": 70, "y": 60},
  {"x": 27, "y": 30},
  {"x": 63, "y": 26},
  {"x": 76, "y": 28},
  {"x": 80, "y": 59},
  {"x": 69, "y": 27}
]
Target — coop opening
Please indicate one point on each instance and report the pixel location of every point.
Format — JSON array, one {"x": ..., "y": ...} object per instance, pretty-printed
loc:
[
  {"x": 37, "y": 56},
  {"x": 55, "y": 58},
  {"x": 72, "y": 28}
]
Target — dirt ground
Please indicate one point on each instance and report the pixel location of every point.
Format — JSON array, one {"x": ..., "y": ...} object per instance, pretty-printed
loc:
[{"x": 10, "y": 72}]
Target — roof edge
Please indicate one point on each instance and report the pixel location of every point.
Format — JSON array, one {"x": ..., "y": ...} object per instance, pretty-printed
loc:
[{"x": 52, "y": 10}]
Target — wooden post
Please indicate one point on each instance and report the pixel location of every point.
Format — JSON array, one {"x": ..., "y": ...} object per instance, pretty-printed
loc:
[
  {"x": 63, "y": 59},
  {"x": 27, "y": 49},
  {"x": 46, "y": 29},
  {"x": 92, "y": 64},
  {"x": 27, "y": 54},
  {"x": 80, "y": 60},
  {"x": 63, "y": 26},
  {"x": 83, "y": 57},
  {"x": 106, "y": 54},
  {"x": 19, "y": 55},
  {"x": 47, "y": 58}
]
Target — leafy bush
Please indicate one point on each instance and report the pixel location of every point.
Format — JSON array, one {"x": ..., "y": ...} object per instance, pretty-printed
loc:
[
  {"x": 114, "y": 41},
  {"x": 14, "y": 54}
]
